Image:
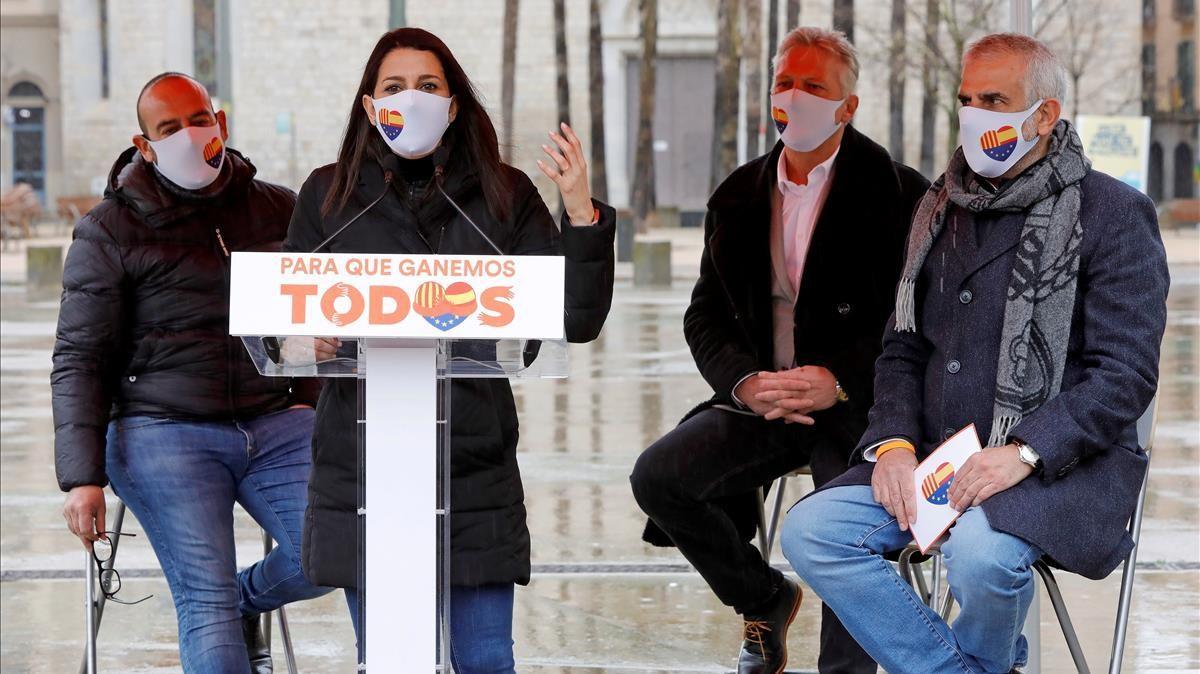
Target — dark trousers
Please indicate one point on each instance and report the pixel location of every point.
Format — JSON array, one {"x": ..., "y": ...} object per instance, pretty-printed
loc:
[{"x": 698, "y": 484}]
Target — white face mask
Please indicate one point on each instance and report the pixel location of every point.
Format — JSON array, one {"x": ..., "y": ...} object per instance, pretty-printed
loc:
[
  {"x": 992, "y": 141},
  {"x": 412, "y": 122},
  {"x": 804, "y": 121},
  {"x": 191, "y": 157}
]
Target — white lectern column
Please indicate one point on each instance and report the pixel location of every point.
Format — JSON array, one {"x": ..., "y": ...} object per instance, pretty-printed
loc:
[{"x": 401, "y": 515}]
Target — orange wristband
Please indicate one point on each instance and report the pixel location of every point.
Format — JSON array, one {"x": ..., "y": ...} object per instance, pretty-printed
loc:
[{"x": 894, "y": 444}]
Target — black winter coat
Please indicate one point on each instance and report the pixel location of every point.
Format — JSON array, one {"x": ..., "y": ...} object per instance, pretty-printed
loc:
[
  {"x": 847, "y": 291},
  {"x": 489, "y": 536},
  {"x": 144, "y": 324}
]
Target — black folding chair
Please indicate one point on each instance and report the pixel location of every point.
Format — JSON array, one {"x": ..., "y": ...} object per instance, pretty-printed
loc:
[{"x": 94, "y": 606}]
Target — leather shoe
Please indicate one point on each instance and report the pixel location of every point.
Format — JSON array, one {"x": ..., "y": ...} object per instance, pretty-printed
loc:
[
  {"x": 764, "y": 636},
  {"x": 256, "y": 645}
]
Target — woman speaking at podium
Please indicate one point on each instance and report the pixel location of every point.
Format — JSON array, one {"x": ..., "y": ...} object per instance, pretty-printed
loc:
[{"x": 416, "y": 124}]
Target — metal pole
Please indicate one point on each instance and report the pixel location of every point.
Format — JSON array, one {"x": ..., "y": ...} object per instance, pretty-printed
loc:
[
  {"x": 1020, "y": 16},
  {"x": 89, "y": 607}
]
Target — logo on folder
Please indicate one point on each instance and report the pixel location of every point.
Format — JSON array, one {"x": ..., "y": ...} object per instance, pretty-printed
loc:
[
  {"x": 999, "y": 144},
  {"x": 392, "y": 122},
  {"x": 780, "y": 117},
  {"x": 936, "y": 485},
  {"x": 445, "y": 307},
  {"x": 213, "y": 152}
]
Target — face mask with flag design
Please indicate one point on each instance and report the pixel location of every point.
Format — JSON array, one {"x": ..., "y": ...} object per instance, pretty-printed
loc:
[
  {"x": 191, "y": 157},
  {"x": 992, "y": 141},
  {"x": 804, "y": 121},
  {"x": 412, "y": 122}
]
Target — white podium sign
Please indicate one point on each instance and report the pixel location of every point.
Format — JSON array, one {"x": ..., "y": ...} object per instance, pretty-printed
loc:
[
  {"x": 405, "y": 296},
  {"x": 401, "y": 306}
]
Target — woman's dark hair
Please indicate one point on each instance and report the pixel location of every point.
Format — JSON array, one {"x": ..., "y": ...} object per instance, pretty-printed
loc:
[{"x": 471, "y": 138}]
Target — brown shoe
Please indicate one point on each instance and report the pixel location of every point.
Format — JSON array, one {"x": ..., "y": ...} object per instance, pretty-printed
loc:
[{"x": 764, "y": 636}]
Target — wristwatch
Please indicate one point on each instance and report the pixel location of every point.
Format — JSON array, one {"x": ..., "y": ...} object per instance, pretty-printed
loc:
[
  {"x": 1028, "y": 456},
  {"x": 839, "y": 392}
]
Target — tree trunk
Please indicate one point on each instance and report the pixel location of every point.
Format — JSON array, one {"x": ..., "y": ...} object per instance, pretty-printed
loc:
[
  {"x": 508, "y": 70},
  {"x": 752, "y": 58},
  {"x": 793, "y": 14},
  {"x": 599, "y": 169},
  {"x": 896, "y": 81},
  {"x": 725, "y": 107},
  {"x": 560, "y": 60},
  {"x": 929, "y": 86},
  {"x": 843, "y": 17},
  {"x": 772, "y": 45},
  {"x": 1075, "y": 77},
  {"x": 643, "y": 198}
]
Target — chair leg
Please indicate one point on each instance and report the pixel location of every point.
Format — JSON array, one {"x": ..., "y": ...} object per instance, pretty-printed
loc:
[
  {"x": 1064, "y": 618},
  {"x": 921, "y": 586},
  {"x": 1123, "y": 605},
  {"x": 89, "y": 610},
  {"x": 762, "y": 526},
  {"x": 935, "y": 585},
  {"x": 776, "y": 508},
  {"x": 904, "y": 566},
  {"x": 268, "y": 544},
  {"x": 1033, "y": 632},
  {"x": 285, "y": 635},
  {"x": 95, "y": 604}
]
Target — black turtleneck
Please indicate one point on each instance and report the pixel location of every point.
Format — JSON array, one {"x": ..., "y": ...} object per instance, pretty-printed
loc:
[{"x": 416, "y": 171}]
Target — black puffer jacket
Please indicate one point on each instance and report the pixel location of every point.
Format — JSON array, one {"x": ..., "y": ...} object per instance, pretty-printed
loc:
[
  {"x": 489, "y": 537},
  {"x": 144, "y": 323}
]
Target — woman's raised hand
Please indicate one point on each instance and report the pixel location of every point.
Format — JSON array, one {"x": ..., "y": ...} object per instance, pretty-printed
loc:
[{"x": 569, "y": 172}]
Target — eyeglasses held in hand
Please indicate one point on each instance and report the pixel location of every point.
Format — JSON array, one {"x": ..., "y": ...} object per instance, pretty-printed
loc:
[{"x": 110, "y": 580}]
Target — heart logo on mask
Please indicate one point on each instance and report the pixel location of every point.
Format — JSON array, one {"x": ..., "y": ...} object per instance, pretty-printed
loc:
[
  {"x": 999, "y": 144},
  {"x": 391, "y": 121},
  {"x": 213, "y": 152},
  {"x": 444, "y": 308},
  {"x": 780, "y": 117}
]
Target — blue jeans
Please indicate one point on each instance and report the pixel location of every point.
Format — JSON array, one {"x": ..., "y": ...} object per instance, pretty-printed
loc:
[
  {"x": 181, "y": 480},
  {"x": 480, "y": 627},
  {"x": 836, "y": 539}
]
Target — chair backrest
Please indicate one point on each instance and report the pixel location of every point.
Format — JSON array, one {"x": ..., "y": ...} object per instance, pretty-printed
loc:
[{"x": 1146, "y": 424}]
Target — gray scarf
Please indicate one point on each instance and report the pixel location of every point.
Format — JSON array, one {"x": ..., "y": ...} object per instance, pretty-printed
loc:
[{"x": 1041, "y": 291}]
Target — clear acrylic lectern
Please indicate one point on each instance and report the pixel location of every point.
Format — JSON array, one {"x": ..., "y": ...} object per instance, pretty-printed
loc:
[{"x": 403, "y": 433}]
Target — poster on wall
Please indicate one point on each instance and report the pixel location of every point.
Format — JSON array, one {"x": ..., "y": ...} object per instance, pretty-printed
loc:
[{"x": 1118, "y": 146}]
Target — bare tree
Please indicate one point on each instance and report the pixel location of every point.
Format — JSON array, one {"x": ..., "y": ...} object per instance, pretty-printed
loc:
[
  {"x": 929, "y": 88},
  {"x": 725, "y": 104},
  {"x": 643, "y": 198},
  {"x": 843, "y": 17},
  {"x": 896, "y": 80},
  {"x": 560, "y": 61},
  {"x": 965, "y": 20},
  {"x": 508, "y": 70},
  {"x": 752, "y": 59},
  {"x": 793, "y": 14},
  {"x": 599, "y": 169},
  {"x": 1077, "y": 32}
]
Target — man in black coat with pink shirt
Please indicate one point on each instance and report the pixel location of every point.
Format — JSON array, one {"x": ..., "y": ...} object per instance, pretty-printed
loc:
[{"x": 803, "y": 248}]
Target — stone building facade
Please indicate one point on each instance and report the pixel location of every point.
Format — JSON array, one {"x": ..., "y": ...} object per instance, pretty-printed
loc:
[
  {"x": 1170, "y": 96},
  {"x": 286, "y": 72}
]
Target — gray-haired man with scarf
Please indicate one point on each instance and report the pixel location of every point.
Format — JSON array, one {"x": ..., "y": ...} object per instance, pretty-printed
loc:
[{"x": 1032, "y": 304}]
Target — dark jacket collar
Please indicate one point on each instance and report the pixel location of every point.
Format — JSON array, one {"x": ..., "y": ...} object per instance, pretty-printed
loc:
[{"x": 136, "y": 183}]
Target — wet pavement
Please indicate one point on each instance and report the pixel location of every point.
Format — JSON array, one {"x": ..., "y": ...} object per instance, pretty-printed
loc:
[{"x": 601, "y": 600}]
